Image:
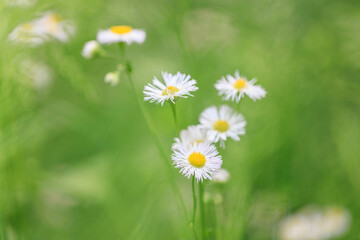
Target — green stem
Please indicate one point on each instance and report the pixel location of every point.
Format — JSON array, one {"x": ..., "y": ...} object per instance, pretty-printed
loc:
[
  {"x": 202, "y": 209},
  {"x": 173, "y": 108},
  {"x": 105, "y": 54},
  {"x": 155, "y": 135},
  {"x": 194, "y": 206}
]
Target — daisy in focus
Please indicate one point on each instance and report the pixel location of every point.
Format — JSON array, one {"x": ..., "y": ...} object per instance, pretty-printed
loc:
[
  {"x": 121, "y": 33},
  {"x": 222, "y": 123},
  {"x": 178, "y": 85},
  {"x": 193, "y": 134},
  {"x": 199, "y": 159},
  {"x": 234, "y": 88}
]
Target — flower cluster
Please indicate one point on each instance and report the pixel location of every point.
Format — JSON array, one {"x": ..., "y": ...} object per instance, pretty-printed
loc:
[
  {"x": 194, "y": 152},
  {"x": 216, "y": 125},
  {"x": 48, "y": 26}
]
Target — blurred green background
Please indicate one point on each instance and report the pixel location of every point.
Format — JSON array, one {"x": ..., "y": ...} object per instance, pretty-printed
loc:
[{"x": 77, "y": 160}]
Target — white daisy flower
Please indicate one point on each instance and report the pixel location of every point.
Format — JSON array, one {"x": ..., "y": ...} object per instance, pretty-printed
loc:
[
  {"x": 121, "y": 33},
  {"x": 193, "y": 134},
  {"x": 234, "y": 88},
  {"x": 199, "y": 159},
  {"x": 222, "y": 123},
  {"x": 28, "y": 33},
  {"x": 112, "y": 78},
  {"x": 90, "y": 49},
  {"x": 178, "y": 85},
  {"x": 55, "y": 26},
  {"x": 221, "y": 176}
]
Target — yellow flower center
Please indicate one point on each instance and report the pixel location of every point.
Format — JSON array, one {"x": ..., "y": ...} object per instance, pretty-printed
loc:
[
  {"x": 25, "y": 31},
  {"x": 55, "y": 18},
  {"x": 239, "y": 84},
  {"x": 121, "y": 29},
  {"x": 197, "y": 159},
  {"x": 221, "y": 126},
  {"x": 170, "y": 90},
  {"x": 335, "y": 211},
  {"x": 27, "y": 26},
  {"x": 53, "y": 22}
]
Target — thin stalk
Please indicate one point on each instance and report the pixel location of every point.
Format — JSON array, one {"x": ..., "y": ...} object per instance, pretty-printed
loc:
[
  {"x": 202, "y": 209},
  {"x": 105, "y": 54},
  {"x": 173, "y": 109},
  {"x": 194, "y": 206},
  {"x": 155, "y": 135}
]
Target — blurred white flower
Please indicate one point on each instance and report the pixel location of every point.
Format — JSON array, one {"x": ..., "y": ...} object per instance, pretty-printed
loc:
[
  {"x": 314, "y": 224},
  {"x": 234, "y": 88},
  {"x": 49, "y": 26},
  {"x": 90, "y": 49},
  {"x": 193, "y": 134},
  {"x": 298, "y": 227},
  {"x": 112, "y": 78},
  {"x": 221, "y": 176},
  {"x": 178, "y": 85},
  {"x": 39, "y": 73},
  {"x": 121, "y": 33},
  {"x": 218, "y": 199},
  {"x": 222, "y": 123},
  {"x": 21, "y": 3},
  {"x": 28, "y": 33},
  {"x": 55, "y": 26},
  {"x": 336, "y": 221},
  {"x": 199, "y": 159}
]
